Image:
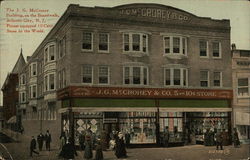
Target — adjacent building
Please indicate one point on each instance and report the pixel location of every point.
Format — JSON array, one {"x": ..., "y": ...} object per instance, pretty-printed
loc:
[
  {"x": 11, "y": 96},
  {"x": 136, "y": 68},
  {"x": 241, "y": 85}
]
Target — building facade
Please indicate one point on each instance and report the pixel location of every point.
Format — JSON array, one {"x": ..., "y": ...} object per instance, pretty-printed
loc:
[
  {"x": 136, "y": 68},
  {"x": 241, "y": 85}
]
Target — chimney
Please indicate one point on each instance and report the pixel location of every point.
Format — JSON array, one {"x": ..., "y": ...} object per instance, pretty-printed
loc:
[
  {"x": 28, "y": 58},
  {"x": 233, "y": 47}
]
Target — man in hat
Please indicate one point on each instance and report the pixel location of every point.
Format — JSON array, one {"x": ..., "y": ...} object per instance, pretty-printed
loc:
[{"x": 33, "y": 146}]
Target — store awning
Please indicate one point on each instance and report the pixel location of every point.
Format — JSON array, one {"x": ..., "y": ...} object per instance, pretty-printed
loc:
[
  {"x": 12, "y": 120},
  {"x": 242, "y": 118}
]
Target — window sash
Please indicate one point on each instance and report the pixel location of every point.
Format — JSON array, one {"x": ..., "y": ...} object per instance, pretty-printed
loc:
[
  {"x": 203, "y": 48},
  {"x": 216, "y": 49},
  {"x": 87, "y": 41},
  {"x": 103, "y": 42},
  {"x": 204, "y": 78},
  {"x": 136, "y": 75},
  {"x": 51, "y": 81},
  {"x": 217, "y": 79},
  {"x": 51, "y": 52},
  {"x": 135, "y": 42},
  {"x": 103, "y": 74},
  {"x": 87, "y": 71}
]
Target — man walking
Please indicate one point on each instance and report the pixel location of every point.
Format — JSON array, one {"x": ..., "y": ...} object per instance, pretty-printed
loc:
[
  {"x": 40, "y": 141},
  {"x": 33, "y": 146},
  {"x": 48, "y": 140},
  {"x": 219, "y": 140}
]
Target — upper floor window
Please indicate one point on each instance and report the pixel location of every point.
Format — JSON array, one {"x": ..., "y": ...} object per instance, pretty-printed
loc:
[
  {"x": 49, "y": 82},
  {"x": 33, "y": 91},
  {"x": 135, "y": 75},
  {"x": 216, "y": 48},
  {"x": 217, "y": 79},
  {"x": 33, "y": 69},
  {"x": 62, "y": 47},
  {"x": 135, "y": 42},
  {"x": 61, "y": 79},
  {"x": 175, "y": 45},
  {"x": 103, "y": 75},
  {"x": 204, "y": 78},
  {"x": 175, "y": 76},
  {"x": 87, "y": 41},
  {"x": 244, "y": 53},
  {"x": 22, "y": 79},
  {"x": 87, "y": 74},
  {"x": 22, "y": 97},
  {"x": 49, "y": 53},
  {"x": 203, "y": 48},
  {"x": 103, "y": 42},
  {"x": 243, "y": 87}
]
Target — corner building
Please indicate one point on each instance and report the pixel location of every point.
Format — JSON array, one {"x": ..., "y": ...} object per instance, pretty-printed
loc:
[{"x": 136, "y": 68}]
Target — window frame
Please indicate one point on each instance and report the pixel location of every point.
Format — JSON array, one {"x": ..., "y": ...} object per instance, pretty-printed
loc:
[
  {"x": 108, "y": 76},
  {"x": 208, "y": 78},
  {"x": 47, "y": 54},
  {"x": 171, "y": 73},
  {"x": 108, "y": 41},
  {"x": 62, "y": 47},
  {"x": 171, "y": 45},
  {"x": 248, "y": 87},
  {"x": 220, "y": 78},
  {"x": 92, "y": 39},
  {"x": 31, "y": 90},
  {"x": 207, "y": 48},
  {"x": 92, "y": 73},
  {"x": 131, "y": 75},
  {"x": 47, "y": 82},
  {"x": 220, "y": 52},
  {"x": 32, "y": 70}
]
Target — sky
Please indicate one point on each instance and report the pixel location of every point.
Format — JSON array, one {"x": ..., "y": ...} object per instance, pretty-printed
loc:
[{"x": 237, "y": 11}]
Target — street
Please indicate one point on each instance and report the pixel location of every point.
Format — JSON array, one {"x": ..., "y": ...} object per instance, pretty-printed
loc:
[{"x": 20, "y": 151}]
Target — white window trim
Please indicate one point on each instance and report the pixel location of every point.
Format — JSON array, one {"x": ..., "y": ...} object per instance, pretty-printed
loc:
[
  {"x": 31, "y": 91},
  {"x": 237, "y": 93},
  {"x": 220, "y": 51},
  {"x": 31, "y": 69},
  {"x": 22, "y": 77},
  {"x": 92, "y": 39},
  {"x": 207, "y": 56},
  {"x": 220, "y": 79},
  {"x": 103, "y": 51},
  {"x": 48, "y": 80},
  {"x": 108, "y": 75},
  {"x": 131, "y": 42},
  {"x": 92, "y": 76},
  {"x": 172, "y": 77},
  {"x": 61, "y": 48},
  {"x": 208, "y": 79},
  {"x": 48, "y": 55},
  {"x": 171, "y": 46},
  {"x": 131, "y": 76}
]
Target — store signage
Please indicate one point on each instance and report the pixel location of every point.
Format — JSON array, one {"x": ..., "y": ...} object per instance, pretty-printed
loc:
[
  {"x": 115, "y": 92},
  {"x": 163, "y": 14}
]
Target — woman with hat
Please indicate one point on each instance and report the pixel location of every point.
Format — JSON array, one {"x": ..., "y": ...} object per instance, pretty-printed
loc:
[
  {"x": 120, "y": 148},
  {"x": 88, "y": 154}
]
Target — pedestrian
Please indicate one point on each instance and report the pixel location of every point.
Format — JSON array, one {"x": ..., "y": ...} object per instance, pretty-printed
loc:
[
  {"x": 104, "y": 139},
  {"x": 206, "y": 138},
  {"x": 40, "y": 139},
  {"x": 120, "y": 149},
  {"x": 166, "y": 137},
  {"x": 21, "y": 129},
  {"x": 225, "y": 137},
  {"x": 236, "y": 140},
  {"x": 63, "y": 139},
  {"x": 82, "y": 140},
  {"x": 98, "y": 150},
  {"x": 219, "y": 140},
  {"x": 48, "y": 139},
  {"x": 88, "y": 153},
  {"x": 127, "y": 139},
  {"x": 33, "y": 146},
  {"x": 68, "y": 150}
]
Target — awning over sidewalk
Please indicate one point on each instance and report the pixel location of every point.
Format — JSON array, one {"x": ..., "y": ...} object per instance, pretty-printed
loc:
[
  {"x": 242, "y": 118},
  {"x": 12, "y": 120}
]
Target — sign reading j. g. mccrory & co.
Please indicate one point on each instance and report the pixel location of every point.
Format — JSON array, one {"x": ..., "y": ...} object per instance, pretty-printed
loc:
[{"x": 163, "y": 14}]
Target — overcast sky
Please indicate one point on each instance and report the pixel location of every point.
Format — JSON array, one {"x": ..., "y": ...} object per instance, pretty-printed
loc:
[{"x": 237, "y": 11}]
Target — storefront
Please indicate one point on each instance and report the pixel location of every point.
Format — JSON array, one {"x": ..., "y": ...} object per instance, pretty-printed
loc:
[{"x": 145, "y": 115}]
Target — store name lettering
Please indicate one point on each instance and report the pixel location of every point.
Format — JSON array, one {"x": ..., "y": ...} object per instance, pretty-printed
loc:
[{"x": 153, "y": 12}]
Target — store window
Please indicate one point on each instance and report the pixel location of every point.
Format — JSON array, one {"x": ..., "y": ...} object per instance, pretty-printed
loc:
[
  {"x": 203, "y": 48},
  {"x": 176, "y": 77},
  {"x": 135, "y": 75},
  {"x": 87, "y": 41},
  {"x": 217, "y": 79},
  {"x": 141, "y": 127},
  {"x": 87, "y": 74},
  {"x": 103, "y": 74},
  {"x": 135, "y": 42},
  {"x": 49, "y": 53},
  {"x": 244, "y": 53},
  {"x": 204, "y": 78},
  {"x": 216, "y": 49},
  {"x": 243, "y": 87},
  {"x": 175, "y": 45},
  {"x": 103, "y": 42}
]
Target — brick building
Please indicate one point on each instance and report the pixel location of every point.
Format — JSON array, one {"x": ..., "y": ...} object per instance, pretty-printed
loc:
[
  {"x": 135, "y": 68},
  {"x": 241, "y": 86},
  {"x": 10, "y": 94}
]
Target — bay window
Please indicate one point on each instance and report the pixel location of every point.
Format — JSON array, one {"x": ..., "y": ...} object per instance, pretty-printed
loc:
[
  {"x": 33, "y": 69},
  {"x": 49, "y": 82},
  {"x": 33, "y": 91},
  {"x": 175, "y": 76},
  {"x": 135, "y": 42},
  {"x": 49, "y": 53},
  {"x": 135, "y": 75},
  {"x": 175, "y": 45}
]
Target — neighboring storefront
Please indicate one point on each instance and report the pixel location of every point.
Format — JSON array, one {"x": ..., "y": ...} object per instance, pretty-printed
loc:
[{"x": 187, "y": 113}]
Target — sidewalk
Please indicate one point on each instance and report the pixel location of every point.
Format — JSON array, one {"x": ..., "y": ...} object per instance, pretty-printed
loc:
[{"x": 20, "y": 151}]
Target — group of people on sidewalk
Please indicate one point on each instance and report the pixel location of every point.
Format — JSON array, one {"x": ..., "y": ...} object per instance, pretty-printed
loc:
[
  {"x": 88, "y": 144},
  {"x": 40, "y": 141}
]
